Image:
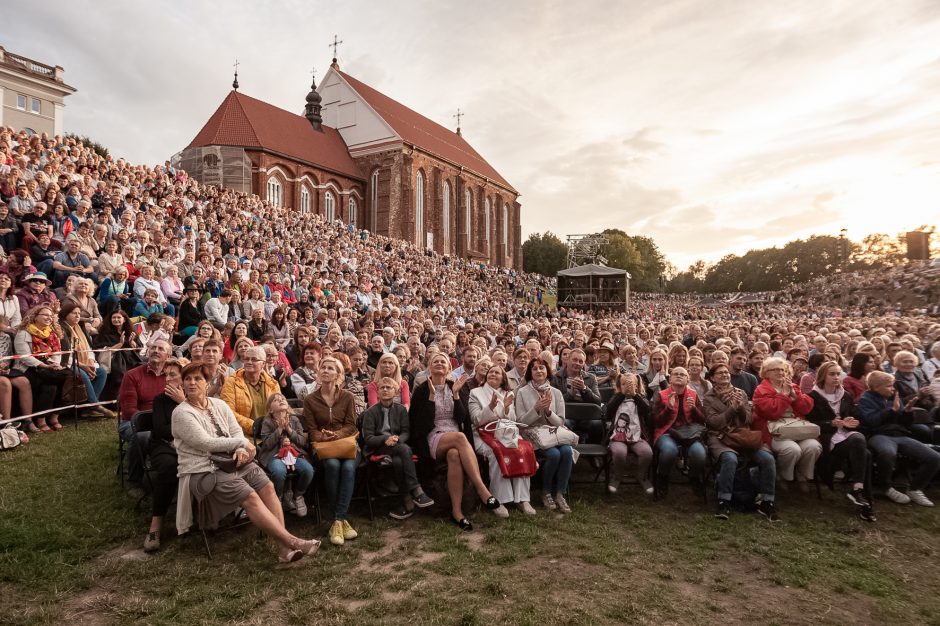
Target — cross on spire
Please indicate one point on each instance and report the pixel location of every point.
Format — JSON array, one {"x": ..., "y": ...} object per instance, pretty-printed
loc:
[
  {"x": 235, "y": 82},
  {"x": 459, "y": 115},
  {"x": 335, "y": 46},
  {"x": 313, "y": 78}
]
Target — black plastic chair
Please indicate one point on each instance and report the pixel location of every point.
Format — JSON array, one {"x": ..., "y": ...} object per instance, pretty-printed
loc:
[
  {"x": 579, "y": 412},
  {"x": 141, "y": 425}
]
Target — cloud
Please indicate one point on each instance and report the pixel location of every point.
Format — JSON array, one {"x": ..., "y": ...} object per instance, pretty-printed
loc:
[{"x": 711, "y": 127}]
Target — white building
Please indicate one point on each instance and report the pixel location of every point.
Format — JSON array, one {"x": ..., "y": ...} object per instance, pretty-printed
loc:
[{"x": 33, "y": 94}]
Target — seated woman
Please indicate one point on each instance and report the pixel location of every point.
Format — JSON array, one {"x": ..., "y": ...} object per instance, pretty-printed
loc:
[
  {"x": 887, "y": 424},
  {"x": 172, "y": 286},
  {"x": 697, "y": 381},
  {"x": 330, "y": 415},
  {"x": 161, "y": 451},
  {"x": 191, "y": 312},
  {"x": 385, "y": 430},
  {"x": 242, "y": 346},
  {"x": 257, "y": 325},
  {"x": 80, "y": 294},
  {"x": 727, "y": 409},
  {"x": 677, "y": 415},
  {"x": 862, "y": 364},
  {"x": 441, "y": 431},
  {"x": 205, "y": 331},
  {"x": 775, "y": 398},
  {"x": 490, "y": 402},
  {"x": 281, "y": 430},
  {"x": 276, "y": 365},
  {"x": 202, "y": 426},
  {"x": 279, "y": 328},
  {"x": 10, "y": 380},
  {"x": 74, "y": 342},
  {"x": 304, "y": 378},
  {"x": 115, "y": 291},
  {"x": 38, "y": 343},
  {"x": 353, "y": 386},
  {"x": 389, "y": 367},
  {"x": 630, "y": 432},
  {"x": 239, "y": 330},
  {"x": 117, "y": 334},
  {"x": 832, "y": 411},
  {"x": 540, "y": 404}
]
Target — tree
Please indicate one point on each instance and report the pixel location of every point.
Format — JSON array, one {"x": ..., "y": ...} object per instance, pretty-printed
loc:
[
  {"x": 91, "y": 144},
  {"x": 545, "y": 254}
]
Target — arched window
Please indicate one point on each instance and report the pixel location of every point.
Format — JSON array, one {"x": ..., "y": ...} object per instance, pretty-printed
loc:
[
  {"x": 445, "y": 219},
  {"x": 374, "y": 199},
  {"x": 468, "y": 204},
  {"x": 486, "y": 223},
  {"x": 506, "y": 226},
  {"x": 274, "y": 191},
  {"x": 419, "y": 209},
  {"x": 304, "y": 200},
  {"x": 352, "y": 211},
  {"x": 329, "y": 206}
]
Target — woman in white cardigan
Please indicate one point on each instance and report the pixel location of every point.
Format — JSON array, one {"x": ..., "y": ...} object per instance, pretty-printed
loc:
[
  {"x": 203, "y": 426},
  {"x": 489, "y": 402},
  {"x": 540, "y": 404}
]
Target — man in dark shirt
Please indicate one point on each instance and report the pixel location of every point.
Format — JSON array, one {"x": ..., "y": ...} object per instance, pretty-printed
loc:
[
  {"x": 578, "y": 385},
  {"x": 745, "y": 381},
  {"x": 9, "y": 228},
  {"x": 43, "y": 253}
]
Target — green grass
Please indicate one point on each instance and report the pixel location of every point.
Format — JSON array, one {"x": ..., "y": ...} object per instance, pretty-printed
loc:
[{"x": 70, "y": 552}]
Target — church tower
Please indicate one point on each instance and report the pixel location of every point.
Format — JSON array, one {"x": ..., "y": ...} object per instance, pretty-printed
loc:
[{"x": 312, "y": 110}]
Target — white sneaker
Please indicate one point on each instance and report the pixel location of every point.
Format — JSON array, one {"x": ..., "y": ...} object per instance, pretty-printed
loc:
[
  {"x": 526, "y": 508},
  {"x": 897, "y": 497},
  {"x": 917, "y": 497},
  {"x": 300, "y": 506},
  {"x": 612, "y": 487},
  {"x": 647, "y": 487},
  {"x": 501, "y": 511}
]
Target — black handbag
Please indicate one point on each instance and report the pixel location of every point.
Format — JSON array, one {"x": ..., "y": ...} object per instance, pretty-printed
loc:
[
  {"x": 687, "y": 434},
  {"x": 224, "y": 463}
]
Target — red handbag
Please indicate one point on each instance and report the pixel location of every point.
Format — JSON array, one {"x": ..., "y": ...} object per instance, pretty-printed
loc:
[{"x": 516, "y": 462}]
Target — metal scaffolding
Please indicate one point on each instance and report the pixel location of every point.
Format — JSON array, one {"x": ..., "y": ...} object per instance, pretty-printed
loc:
[{"x": 584, "y": 249}]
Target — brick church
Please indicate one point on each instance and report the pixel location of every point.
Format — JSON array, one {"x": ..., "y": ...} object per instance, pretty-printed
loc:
[{"x": 358, "y": 156}]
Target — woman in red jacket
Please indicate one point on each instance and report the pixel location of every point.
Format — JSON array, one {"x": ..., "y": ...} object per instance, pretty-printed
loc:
[{"x": 775, "y": 398}]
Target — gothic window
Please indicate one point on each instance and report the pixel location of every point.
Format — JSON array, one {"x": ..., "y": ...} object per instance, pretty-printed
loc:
[
  {"x": 374, "y": 199},
  {"x": 506, "y": 226},
  {"x": 352, "y": 211},
  {"x": 486, "y": 223},
  {"x": 304, "y": 200},
  {"x": 274, "y": 191},
  {"x": 445, "y": 219},
  {"x": 329, "y": 206},
  {"x": 419, "y": 209},
  {"x": 468, "y": 204}
]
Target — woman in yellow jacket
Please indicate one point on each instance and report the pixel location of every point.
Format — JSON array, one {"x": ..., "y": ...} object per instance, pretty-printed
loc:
[{"x": 247, "y": 391}]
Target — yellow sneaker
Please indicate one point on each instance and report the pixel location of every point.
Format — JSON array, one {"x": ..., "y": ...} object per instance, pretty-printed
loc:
[
  {"x": 348, "y": 531},
  {"x": 336, "y": 533}
]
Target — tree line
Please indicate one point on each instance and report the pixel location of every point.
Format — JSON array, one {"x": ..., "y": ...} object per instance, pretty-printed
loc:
[{"x": 765, "y": 269}]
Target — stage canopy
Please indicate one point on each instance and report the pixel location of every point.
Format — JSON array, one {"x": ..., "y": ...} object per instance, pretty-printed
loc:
[{"x": 594, "y": 287}]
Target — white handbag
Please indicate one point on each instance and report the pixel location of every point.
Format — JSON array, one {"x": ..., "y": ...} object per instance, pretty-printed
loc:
[
  {"x": 545, "y": 436},
  {"x": 505, "y": 431}
]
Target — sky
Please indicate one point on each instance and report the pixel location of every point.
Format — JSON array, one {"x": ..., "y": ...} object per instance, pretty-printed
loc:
[{"x": 712, "y": 127}]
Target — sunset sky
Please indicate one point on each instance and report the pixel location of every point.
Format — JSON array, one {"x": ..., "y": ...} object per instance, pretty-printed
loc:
[{"x": 713, "y": 127}]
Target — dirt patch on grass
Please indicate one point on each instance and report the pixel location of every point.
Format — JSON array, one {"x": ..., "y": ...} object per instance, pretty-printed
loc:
[
  {"x": 386, "y": 597},
  {"x": 474, "y": 541},
  {"x": 396, "y": 554},
  {"x": 93, "y": 607}
]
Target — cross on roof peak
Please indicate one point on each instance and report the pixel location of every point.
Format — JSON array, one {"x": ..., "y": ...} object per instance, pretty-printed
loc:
[
  {"x": 235, "y": 82},
  {"x": 459, "y": 114},
  {"x": 335, "y": 46}
]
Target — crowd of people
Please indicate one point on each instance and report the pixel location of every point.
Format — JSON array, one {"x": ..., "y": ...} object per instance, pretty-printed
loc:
[{"x": 266, "y": 349}]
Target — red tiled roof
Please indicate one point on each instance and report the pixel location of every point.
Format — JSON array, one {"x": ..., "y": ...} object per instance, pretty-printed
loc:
[
  {"x": 416, "y": 129},
  {"x": 246, "y": 122}
]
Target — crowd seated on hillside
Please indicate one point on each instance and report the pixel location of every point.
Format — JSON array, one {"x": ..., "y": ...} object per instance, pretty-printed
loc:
[{"x": 298, "y": 347}]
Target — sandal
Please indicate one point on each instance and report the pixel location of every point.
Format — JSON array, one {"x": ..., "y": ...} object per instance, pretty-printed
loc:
[
  {"x": 308, "y": 546},
  {"x": 31, "y": 428},
  {"x": 463, "y": 523},
  {"x": 43, "y": 426},
  {"x": 290, "y": 557},
  {"x": 55, "y": 425}
]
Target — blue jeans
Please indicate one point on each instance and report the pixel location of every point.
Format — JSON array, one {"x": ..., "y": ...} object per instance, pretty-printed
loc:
[
  {"x": 669, "y": 451},
  {"x": 96, "y": 386},
  {"x": 278, "y": 472},
  {"x": 766, "y": 470},
  {"x": 556, "y": 469},
  {"x": 340, "y": 478},
  {"x": 886, "y": 449}
]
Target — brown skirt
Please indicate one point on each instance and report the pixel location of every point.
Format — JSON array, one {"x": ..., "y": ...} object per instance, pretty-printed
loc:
[{"x": 220, "y": 493}]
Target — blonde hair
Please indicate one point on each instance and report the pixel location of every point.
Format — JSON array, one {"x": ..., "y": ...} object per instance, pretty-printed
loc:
[
  {"x": 823, "y": 370},
  {"x": 772, "y": 363},
  {"x": 877, "y": 377},
  {"x": 904, "y": 354},
  {"x": 378, "y": 366},
  {"x": 340, "y": 372}
]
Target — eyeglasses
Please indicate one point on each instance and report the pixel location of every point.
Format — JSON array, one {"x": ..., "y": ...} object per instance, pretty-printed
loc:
[{"x": 252, "y": 360}]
